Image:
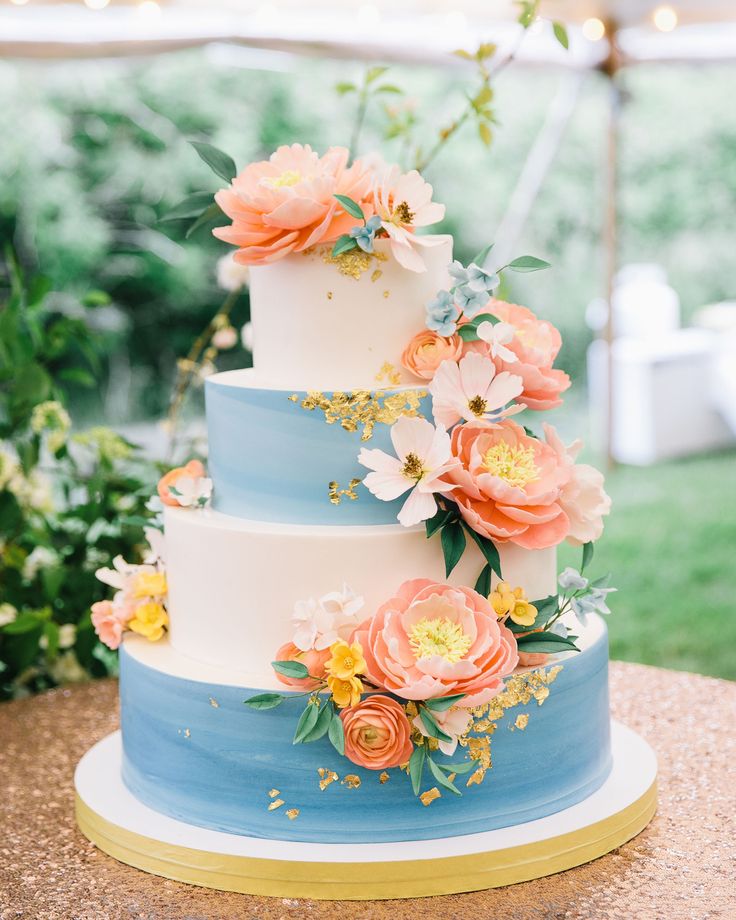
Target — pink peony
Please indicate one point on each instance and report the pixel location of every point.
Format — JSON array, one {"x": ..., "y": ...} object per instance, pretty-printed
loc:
[
  {"x": 427, "y": 350},
  {"x": 286, "y": 203},
  {"x": 313, "y": 660},
  {"x": 377, "y": 733},
  {"x": 535, "y": 344},
  {"x": 433, "y": 640},
  {"x": 509, "y": 484},
  {"x": 109, "y": 622},
  {"x": 583, "y": 498}
]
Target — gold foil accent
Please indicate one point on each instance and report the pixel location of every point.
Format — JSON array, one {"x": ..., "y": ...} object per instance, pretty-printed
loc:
[
  {"x": 326, "y": 778},
  {"x": 277, "y": 803},
  {"x": 272, "y": 793},
  {"x": 185, "y": 732},
  {"x": 353, "y": 263},
  {"x": 213, "y": 703},
  {"x": 336, "y": 494},
  {"x": 383, "y": 777},
  {"x": 329, "y": 295},
  {"x": 362, "y": 409},
  {"x": 387, "y": 294},
  {"x": 376, "y": 274},
  {"x": 429, "y": 796},
  {"x": 522, "y": 720},
  {"x": 293, "y": 398},
  {"x": 389, "y": 374},
  {"x": 351, "y": 780},
  {"x": 292, "y": 813}
]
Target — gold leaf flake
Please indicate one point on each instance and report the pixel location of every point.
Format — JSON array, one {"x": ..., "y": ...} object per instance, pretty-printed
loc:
[
  {"x": 277, "y": 803},
  {"x": 213, "y": 703},
  {"x": 522, "y": 720},
  {"x": 292, "y": 813},
  {"x": 351, "y": 780},
  {"x": 429, "y": 796},
  {"x": 384, "y": 778},
  {"x": 362, "y": 408},
  {"x": 476, "y": 778},
  {"x": 336, "y": 494},
  {"x": 386, "y": 294},
  {"x": 376, "y": 274},
  {"x": 353, "y": 263},
  {"x": 187, "y": 733},
  {"x": 329, "y": 295},
  {"x": 272, "y": 793},
  {"x": 293, "y": 398},
  {"x": 389, "y": 374},
  {"x": 326, "y": 778}
]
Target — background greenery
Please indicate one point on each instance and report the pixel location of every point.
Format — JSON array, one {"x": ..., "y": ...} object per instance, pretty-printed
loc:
[{"x": 93, "y": 154}]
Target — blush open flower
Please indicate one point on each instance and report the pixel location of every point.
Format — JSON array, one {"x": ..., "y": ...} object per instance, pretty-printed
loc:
[
  {"x": 377, "y": 733},
  {"x": 498, "y": 336},
  {"x": 422, "y": 463},
  {"x": 471, "y": 390},
  {"x": 313, "y": 660},
  {"x": 509, "y": 484},
  {"x": 287, "y": 203},
  {"x": 453, "y": 722},
  {"x": 404, "y": 203},
  {"x": 109, "y": 622},
  {"x": 320, "y": 622},
  {"x": 535, "y": 343},
  {"x": 435, "y": 640},
  {"x": 185, "y": 486}
]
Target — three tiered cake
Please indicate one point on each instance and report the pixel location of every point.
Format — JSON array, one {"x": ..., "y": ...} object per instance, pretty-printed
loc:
[{"x": 367, "y": 679}]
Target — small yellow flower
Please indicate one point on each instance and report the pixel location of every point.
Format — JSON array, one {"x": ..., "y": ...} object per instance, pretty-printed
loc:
[
  {"x": 149, "y": 620},
  {"x": 150, "y": 584},
  {"x": 345, "y": 692},
  {"x": 502, "y": 599},
  {"x": 512, "y": 602},
  {"x": 347, "y": 660},
  {"x": 524, "y": 613}
]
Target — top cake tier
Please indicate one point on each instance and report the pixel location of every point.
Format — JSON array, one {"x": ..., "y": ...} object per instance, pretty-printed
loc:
[{"x": 321, "y": 323}]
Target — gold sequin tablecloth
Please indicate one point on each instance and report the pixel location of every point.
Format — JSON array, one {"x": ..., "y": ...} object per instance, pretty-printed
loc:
[{"x": 682, "y": 867}]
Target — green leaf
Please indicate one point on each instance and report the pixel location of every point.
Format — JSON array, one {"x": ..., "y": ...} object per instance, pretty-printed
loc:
[
  {"x": 460, "y": 767},
  {"x": 31, "y": 383},
  {"x": 344, "y": 244},
  {"x": 389, "y": 88},
  {"x": 416, "y": 767},
  {"x": 546, "y": 607},
  {"x": 265, "y": 700},
  {"x": 453, "y": 545},
  {"x": 307, "y": 721},
  {"x": 545, "y": 642},
  {"x": 192, "y": 206},
  {"x": 373, "y": 73},
  {"x": 485, "y": 133},
  {"x": 488, "y": 548},
  {"x": 443, "y": 516},
  {"x": 561, "y": 34},
  {"x": 77, "y": 375},
  {"x": 336, "y": 734},
  {"x": 603, "y": 582},
  {"x": 483, "y": 585},
  {"x": 588, "y": 550},
  {"x": 321, "y": 725},
  {"x": 352, "y": 207},
  {"x": 479, "y": 258},
  {"x": 219, "y": 162},
  {"x": 528, "y": 264},
  {"x": 96, "y": 299},
  {"x": 468, "y": 332},
  {"x": 442, "y": 780},
  {"x": 441, "y": 703},
  {"x": 290, "y": 668},
  {"x": 51, "y": 631},
  {"x": 211, "y": 213},
  {"x": 430, "y": 723},
  {"x": 344, "y": 87}
]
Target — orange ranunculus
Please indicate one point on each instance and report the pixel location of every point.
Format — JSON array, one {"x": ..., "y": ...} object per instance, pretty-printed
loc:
[
  {"x": 313, "y": 660},
  {"x": 377, "y": 733},
  {"x": 427, "y": 350}
]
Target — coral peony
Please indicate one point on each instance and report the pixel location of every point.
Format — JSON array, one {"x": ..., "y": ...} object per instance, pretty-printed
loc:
[
  {"x": 509, "y": 484},
  {"x": 433, "y": 640},
  {"x": 377, "y": 733},
  {"x": 583, "y": 498},
  {"x": 535, "y": 344},
  {"x": 427, "y": 350},
  {"x": 313, "y": 660},
  {"x": 287, "y": 203},
  {"x": 109, "y": 622}
]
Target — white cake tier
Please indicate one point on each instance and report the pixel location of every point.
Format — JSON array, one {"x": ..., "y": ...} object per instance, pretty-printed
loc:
[
  {"x": 233, "y": 583},
  {"x": 316, "y": 327}
]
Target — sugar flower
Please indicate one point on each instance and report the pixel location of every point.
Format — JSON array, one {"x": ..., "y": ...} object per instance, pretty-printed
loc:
[
  {"x": 427, "y": 350},
  {"x": 185, "y": 486},
  {"x": 595, "y": 601},
  {"x": 472, "y": 390},
  {"x": 404, "y": 203},
  {"x": 314, "y": 661},
  {"x": 442, "y": 314},
  {"x": 345, "y": 692},
  {"x": 365, "y": 235},
  {"x": 109, "y": 622},
  {"x": 320, "y": 622},
  {"x": 498, "y": 336},
  {"x": 377, "y": 733},
  {"x": 476, "y": 279},
  {"x": 346, "y": 660},
  {"x": 453, "y": 722},
  {"x": 434, "y": 640},
  {"x": 422, "y": 463},
  {"x": 149, "y": 620},
  {"x": 513, "y": 603},
  {"x": 287, "y": 203},
  {"x": 571, "y": 580}
]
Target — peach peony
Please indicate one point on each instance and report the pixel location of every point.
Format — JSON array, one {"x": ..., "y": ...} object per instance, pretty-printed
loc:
[
  {"x": 313, "y": 660},
  {"x": 286, "y": 203},
  {"x": 509, "y": 484},
  {"x": 109, "y": 622},
  {"x": 535, "y": 344},
  {"x": 192, "y": 471},
  {"x": 583, "y": 497},
  {"x": 434, "y": 640},
  {"x": 377, "y": 733},
  {"x": 427, "y": 350}
]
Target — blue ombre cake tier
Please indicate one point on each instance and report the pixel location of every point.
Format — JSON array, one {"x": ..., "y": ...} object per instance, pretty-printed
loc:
[
  {"x": 193, "y": 751},
  {"x": 270, "y": 459}
]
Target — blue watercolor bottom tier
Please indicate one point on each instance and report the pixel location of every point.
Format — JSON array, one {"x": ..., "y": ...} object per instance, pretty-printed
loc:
[{"x": 193, "y": 751}]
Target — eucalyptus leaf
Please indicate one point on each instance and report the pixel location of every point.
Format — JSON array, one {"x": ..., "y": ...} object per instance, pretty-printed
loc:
[
  {"x": 192, "y": 206},
  {"x": 468, "y": 332},
  {"x": 219, "y": 162},
  {"x": 588, "y": 551},
  {"x": 528, "y": 264},
  {"x": 352, "y": 207},
  {"x": 265, "y": 700},
  {"x": 483, "y": 584},
  {"x": 442, "y": 780},
  {"x": 307, "y": 721},
  {"x": 336, "y": 734},
  {"x": 430, "y": 723},
  {"x": 460, "y": 767},
  {"x": 290, "y": 668},
  {"x": 207, "y": 216},
  {"x": 416, "y": 767},
  {"x": 345, "y": 87},
  {"x": 344, "y": 244},
  {"x": 453, "y": 545},
  {"x": 321, "y": 725},
  {"x": 443, "y": 516},
  {"x": 373, "y": 73},
  {"x": 441, "y": 703},
  {"x": 546, "y": 642},
  {"x": 480, "y": 257},
  {"x": 542, "y": 635}
]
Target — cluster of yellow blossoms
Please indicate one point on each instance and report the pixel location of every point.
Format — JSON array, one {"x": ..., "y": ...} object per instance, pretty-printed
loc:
[
  {"x": 342, "y": 673},
  {"x": 150, "y": 618},
  {"x": 512, "y": 602}
]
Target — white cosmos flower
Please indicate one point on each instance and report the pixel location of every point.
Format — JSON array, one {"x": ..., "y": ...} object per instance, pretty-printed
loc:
[
  {"x": 472, "y": 390},
  {"x": 453, "y": 722},
  {"x": 423, "y": 458},
  {"x": 192, "y": 490},
  {"x": 498, "y": 335},
  {"x": 321, "y": 622}
]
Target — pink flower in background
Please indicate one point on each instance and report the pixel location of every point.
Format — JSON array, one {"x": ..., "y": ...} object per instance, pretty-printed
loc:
[
  {"x": 286, "y": 203},
  {"x": 509, "y": 484},
  {"x": 472, "y": 390},
  {"x": 313, "y": 660},
  {"x": 377, "y": 733},
  {"x": 109, "y": 622},
  {"x": 403, "y": 201},
  {"x": 433, "y": 640},
  {"x": 535, "y": 344},
  {"x": 422, "y": 465},
  {"x": 427, "y": 350},
  {"x": 185, "y": 486},
  {"x": 583, "y": 498}
]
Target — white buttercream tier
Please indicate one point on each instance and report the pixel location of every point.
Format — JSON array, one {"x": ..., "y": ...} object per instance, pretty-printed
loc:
[
  {"x": 233, "y": 583},
  {"x": 317, "y": 328}
]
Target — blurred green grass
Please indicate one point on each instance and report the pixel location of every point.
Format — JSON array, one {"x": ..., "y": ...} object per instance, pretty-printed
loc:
[{"x": 670, "y": 544}]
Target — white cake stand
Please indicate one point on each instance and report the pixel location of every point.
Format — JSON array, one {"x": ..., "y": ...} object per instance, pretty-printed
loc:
[{"x": 113, "y": 819}]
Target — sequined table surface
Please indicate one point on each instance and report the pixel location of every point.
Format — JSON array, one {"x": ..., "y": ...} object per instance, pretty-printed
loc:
[{"x": 682, "y": 867}]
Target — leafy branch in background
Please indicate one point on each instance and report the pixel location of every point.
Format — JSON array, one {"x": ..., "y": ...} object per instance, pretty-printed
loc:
[{"x": 369, "y": 89}]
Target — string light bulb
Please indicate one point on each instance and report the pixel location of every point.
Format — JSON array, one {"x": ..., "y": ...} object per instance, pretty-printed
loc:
[
  {"x": 664, "y": 18},
  {"x": 594, "y": 29},
  {"x": 19, "y": 2},
  {"x": 96, "y": 4}
]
